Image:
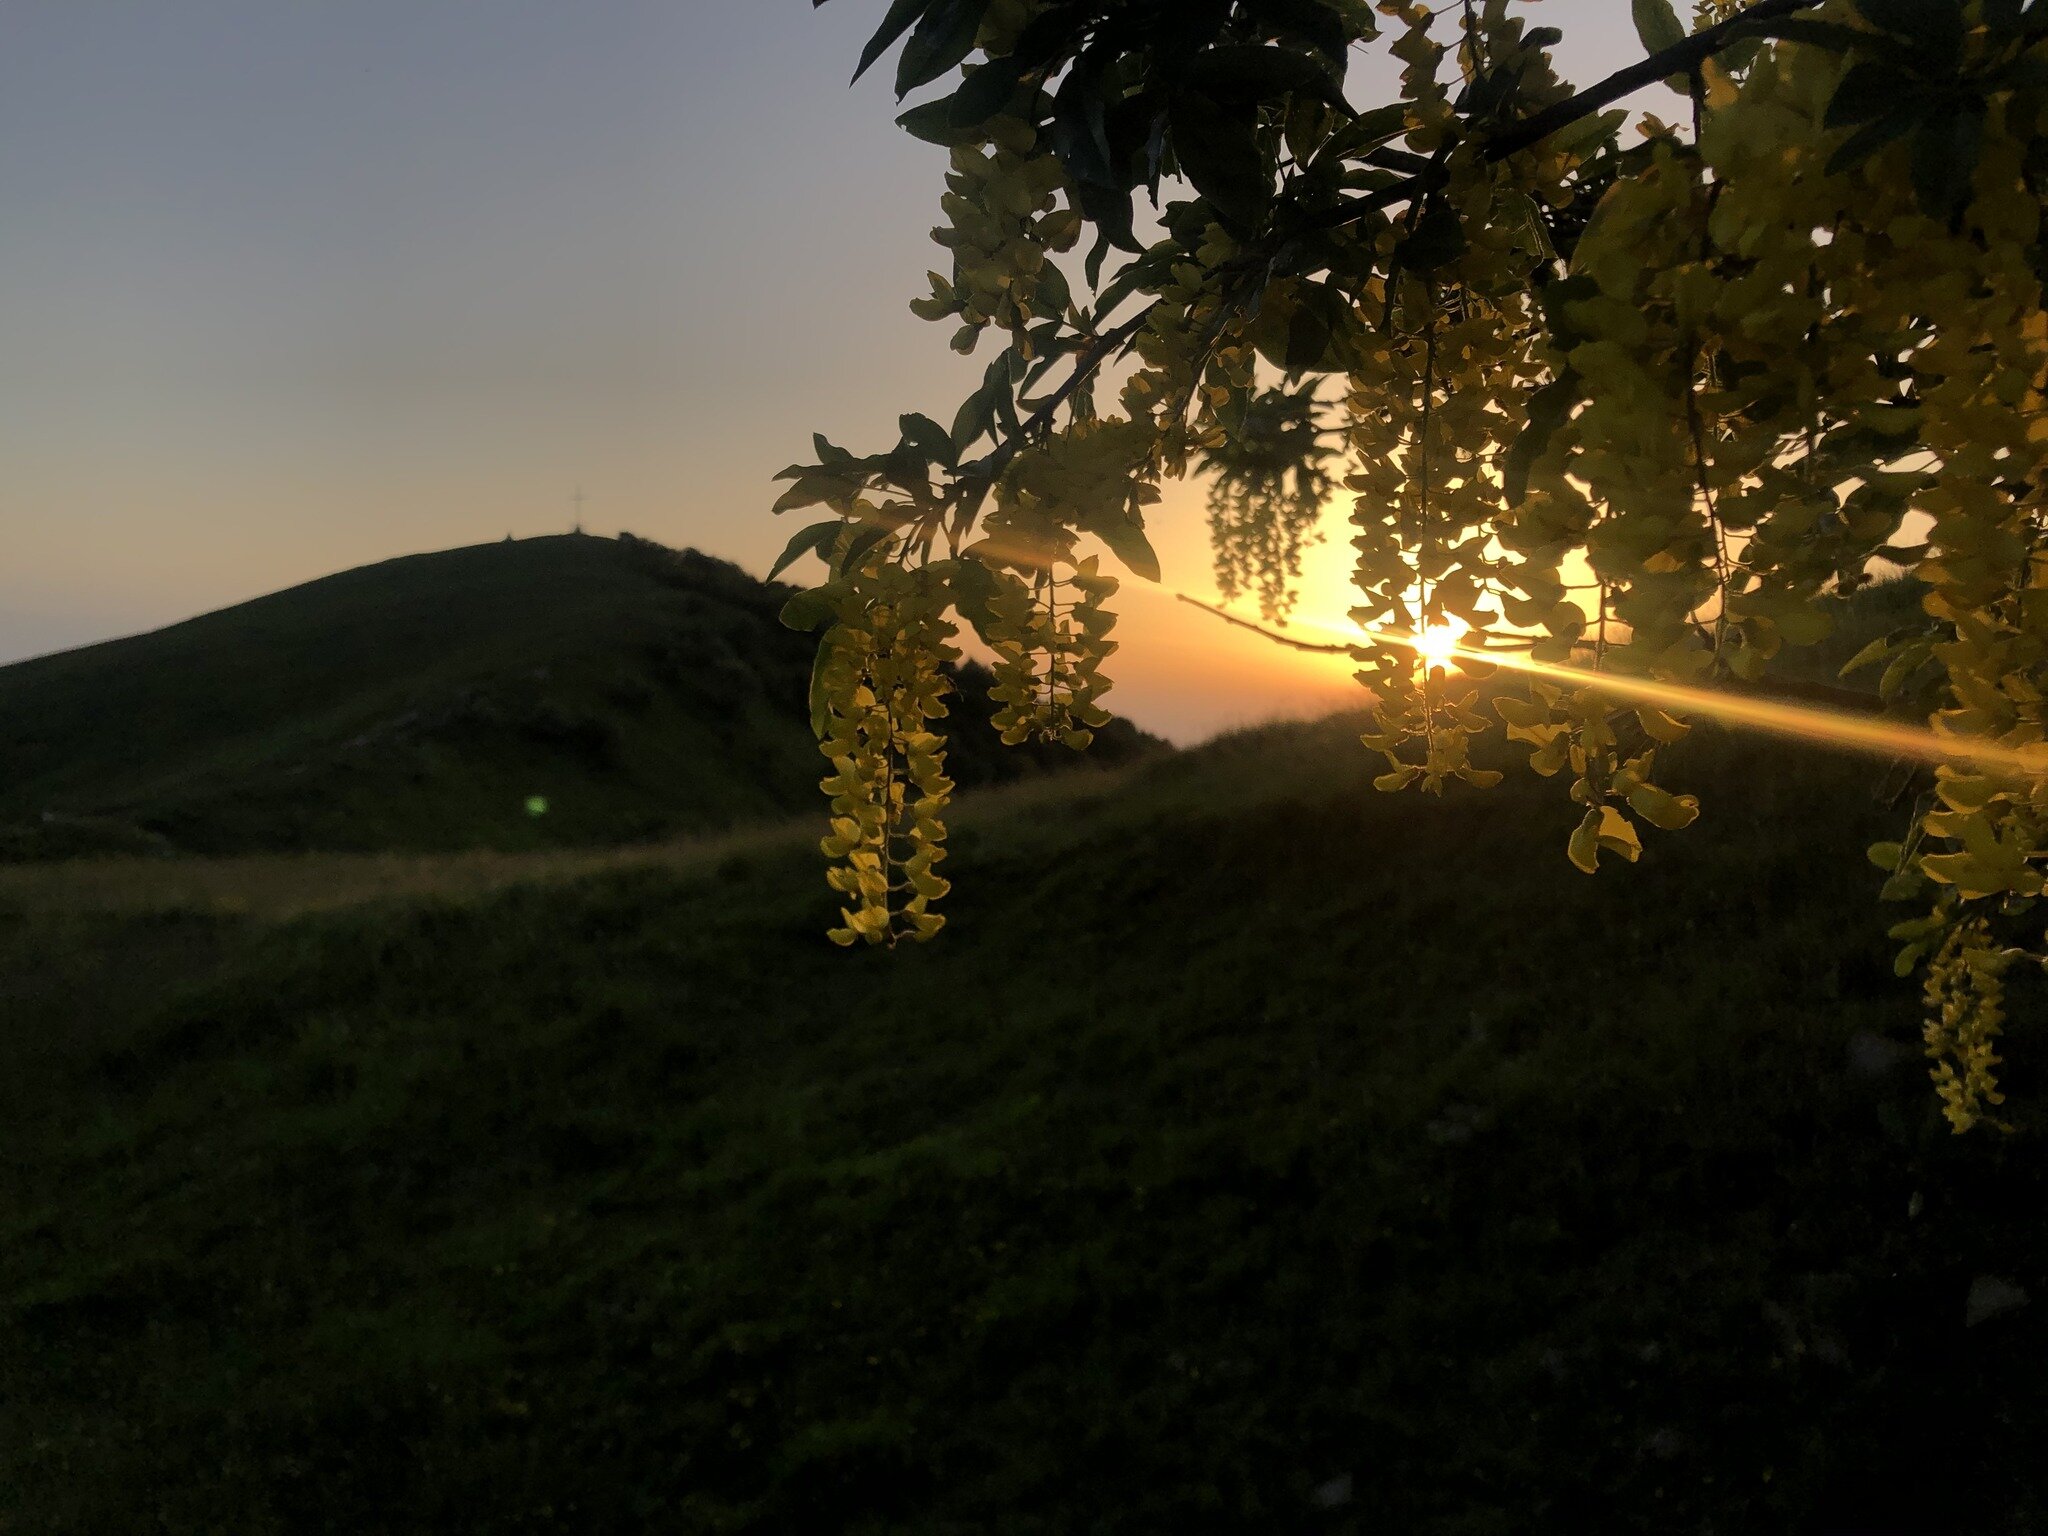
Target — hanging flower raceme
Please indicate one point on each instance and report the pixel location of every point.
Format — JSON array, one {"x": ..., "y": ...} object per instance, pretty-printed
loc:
[
  {"x": 1051, "y": 635},
  {"x": 1965, "y": 1012},
  {"x": 1269, "y": 478},
  {"x": 880, "y": 681},
  {"x": 1633, "y": 407},
  {"x": 1438, "y": 395}
]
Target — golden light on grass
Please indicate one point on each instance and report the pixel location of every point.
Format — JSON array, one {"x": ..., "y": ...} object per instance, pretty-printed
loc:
[{"x": 277, "y": 887}]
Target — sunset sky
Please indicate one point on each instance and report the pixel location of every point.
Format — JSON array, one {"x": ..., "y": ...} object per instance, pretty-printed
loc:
[{"x": 286, "y": 288}]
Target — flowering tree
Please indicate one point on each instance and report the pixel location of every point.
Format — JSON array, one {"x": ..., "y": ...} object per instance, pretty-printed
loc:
[{"x": 1619, "y": 405}]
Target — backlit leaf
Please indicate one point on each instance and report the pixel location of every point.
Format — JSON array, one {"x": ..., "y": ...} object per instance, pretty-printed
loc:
[{"x": 1657, "y": 24}]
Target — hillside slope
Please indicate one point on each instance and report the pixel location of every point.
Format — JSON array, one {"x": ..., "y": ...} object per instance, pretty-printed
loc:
[
  {"x": 1252, "y": 1153},
  {"x": 419, "y": 703}
]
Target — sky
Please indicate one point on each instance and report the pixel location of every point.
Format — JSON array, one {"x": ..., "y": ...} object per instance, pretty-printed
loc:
[{"x": 289, "y": 288}]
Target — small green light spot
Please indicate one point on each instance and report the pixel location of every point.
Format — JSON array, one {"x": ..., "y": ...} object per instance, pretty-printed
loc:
[{"x": 536, "y": 805}]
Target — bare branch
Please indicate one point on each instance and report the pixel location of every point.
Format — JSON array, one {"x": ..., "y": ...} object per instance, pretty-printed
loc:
[
  {"x": 1679, "y": 59},
  {"x": 1260, "y": 629},
  {"x": 1093, "y": 357}
]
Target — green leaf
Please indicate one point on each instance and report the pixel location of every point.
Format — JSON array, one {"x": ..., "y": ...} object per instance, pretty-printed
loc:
[
  {"x": 1248, "y": 72},
  {"x": 1945, "y": 154},
  {"x": 1872, "y": 653},
  {"x": 1091, "y": 266},
  {"x": 858, "y": 546},
  {"x": 974, "y": 420},
  {"x": 809, "y": 609},
  {"x": 1218, "y": 150},
  {"x": 1935, "y": 25},
  {"x": 1656, "y": 24},
  {"x": 1900, "y": 669},
  {"x": 999, "y": 384},
  {"x": 1080, "y": 120},
  {"x": 1108, "y": 208},
  {"x": 901, "y": 14},
  {"x": 816, "y": 539},
  {"x": 809, "y": 491},
  {"x": 820, "y": 691},
  {"x": 952, "y": 119},
  {"x": 1867, "y": 91},
  {"x": 1868, "y": 140},
  {"x": 1365, "y": 132},
  {"x": 1002, "y": 379},
  {"x": 1052, "y": 288},
  {"x": 973, "y": 586},
  {"x": 1127, "y": 541},
  {"x": 1142, "y": 273},
  {"x": 943, "y": 38},
  {"x": 1438, "y": 240},
  {"x": 1308, "y": 337},
  {"x": 929, "y": 439}
]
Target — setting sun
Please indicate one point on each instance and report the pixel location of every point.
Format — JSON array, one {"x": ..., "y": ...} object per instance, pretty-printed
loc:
[{"x": 1437, "y": 644}]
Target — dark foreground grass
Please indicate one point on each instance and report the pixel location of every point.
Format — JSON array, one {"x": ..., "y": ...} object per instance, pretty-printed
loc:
[{"x": 1253, "y": 1153}]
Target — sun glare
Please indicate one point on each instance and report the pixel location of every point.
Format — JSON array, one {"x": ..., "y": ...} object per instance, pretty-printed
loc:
[{"x": 1437, "y": 644}]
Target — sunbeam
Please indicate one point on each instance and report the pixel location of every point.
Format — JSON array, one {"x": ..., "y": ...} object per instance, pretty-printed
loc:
[{"x": 1778, "y": 717}]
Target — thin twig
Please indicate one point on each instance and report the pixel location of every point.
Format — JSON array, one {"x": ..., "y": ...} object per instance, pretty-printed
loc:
[
  {"x": 1097, "y": 353},
  {"x": 1259, "y": 629},
  {"x": 1826, "y": 695},
  {"x": 1679, "y": 59}
]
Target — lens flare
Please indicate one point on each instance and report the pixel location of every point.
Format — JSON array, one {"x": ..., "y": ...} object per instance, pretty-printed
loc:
[
  {"x": 1437, "y": 644},
  {"x": 1777, "y": 717}
]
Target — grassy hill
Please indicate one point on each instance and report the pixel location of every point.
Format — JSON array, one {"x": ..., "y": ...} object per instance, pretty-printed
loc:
[
  {"x": 419, "y": 703},
  {"x": 1253, "y": 1153}
]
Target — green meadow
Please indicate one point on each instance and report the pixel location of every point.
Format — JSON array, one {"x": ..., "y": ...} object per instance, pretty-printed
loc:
[{"x": 1252, "y": 1152}]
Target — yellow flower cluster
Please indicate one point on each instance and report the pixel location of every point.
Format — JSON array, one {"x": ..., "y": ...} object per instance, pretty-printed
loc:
[
  {"x": 1965, "y": 1012},
  {"x": 1636, "y": 408},
  {"x": 1437, "y": 395},
  {"x": 1188, "y": 362},
  {"x": 1789, "y": 359},
  {"x": 1049, "y": 655},
  {"x": 881, "y": 681},
  {"x": 1003, "y": 224}
]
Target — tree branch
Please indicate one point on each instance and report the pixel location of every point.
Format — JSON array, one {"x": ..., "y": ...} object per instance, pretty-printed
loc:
[
  {"x": 1826, "y": 695},
  {"x": 1680, "y": 58},
  {"x": 1260, "y": 629},
  {"x": 990, "y": 467},
  {"x": 1092, "y": 358}
]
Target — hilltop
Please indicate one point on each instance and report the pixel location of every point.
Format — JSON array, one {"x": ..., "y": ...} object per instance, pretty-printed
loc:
[
  {"x": 1253, "y": 1152},
  {"x": 422, "y": 702}
]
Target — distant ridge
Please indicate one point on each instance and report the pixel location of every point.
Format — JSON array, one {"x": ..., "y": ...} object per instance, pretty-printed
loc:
[{"x": 439, "y": 701}]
